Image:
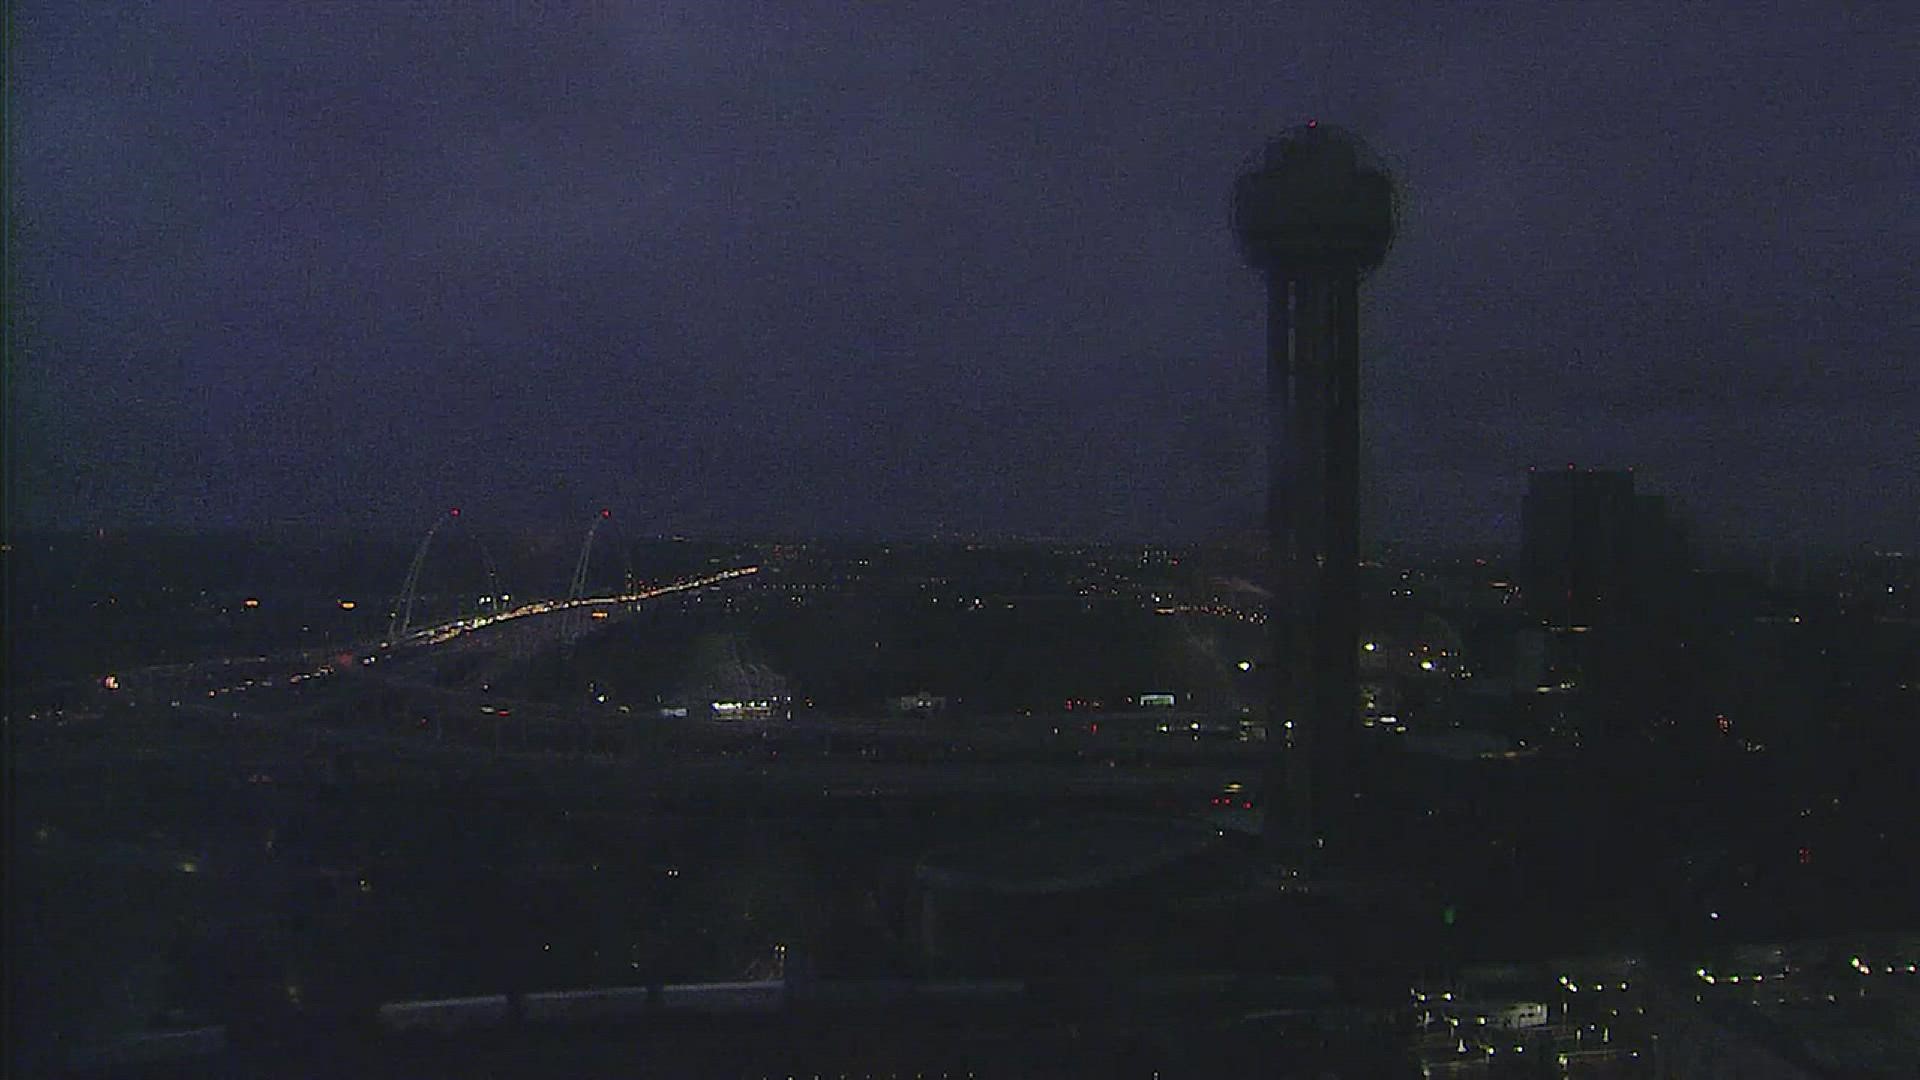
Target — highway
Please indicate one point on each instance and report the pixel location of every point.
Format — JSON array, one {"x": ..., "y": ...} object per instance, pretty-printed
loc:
[
  {"x": 445, "y": 632},
  {"x": 382, "y": 696},
  {"x": 224, "y": 676}
]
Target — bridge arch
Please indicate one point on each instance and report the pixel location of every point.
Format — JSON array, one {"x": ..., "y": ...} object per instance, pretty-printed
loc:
[
  {"x": 400, "y": 619},
  {"x": 579, "y": 590}
]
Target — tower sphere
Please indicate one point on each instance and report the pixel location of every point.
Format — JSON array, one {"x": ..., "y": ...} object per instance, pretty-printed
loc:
[{"x": 1318, "y": 202}]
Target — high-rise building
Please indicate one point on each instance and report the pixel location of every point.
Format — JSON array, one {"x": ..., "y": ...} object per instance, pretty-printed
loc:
[{"x": 1593, "y": 549}]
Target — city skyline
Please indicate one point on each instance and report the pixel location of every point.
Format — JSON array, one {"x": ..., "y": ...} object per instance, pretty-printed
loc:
[{"x": 738, "y": 271}]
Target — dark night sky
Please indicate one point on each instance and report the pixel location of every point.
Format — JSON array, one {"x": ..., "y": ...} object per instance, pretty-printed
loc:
[{"x": 810, "y": 267}]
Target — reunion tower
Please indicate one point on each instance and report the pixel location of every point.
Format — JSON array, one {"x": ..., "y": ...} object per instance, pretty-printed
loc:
[{"x": 1315, "y": 216}]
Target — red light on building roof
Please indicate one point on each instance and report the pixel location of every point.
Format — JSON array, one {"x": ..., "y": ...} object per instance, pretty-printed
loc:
[
  {"x": 1313, "y": 123},
  {"x": 453, "y": 512},
  {"x": 605, "y": 513}
]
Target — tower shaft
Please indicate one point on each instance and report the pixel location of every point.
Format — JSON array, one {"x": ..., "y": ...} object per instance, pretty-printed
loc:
[{"x": 1313, "y": 369}]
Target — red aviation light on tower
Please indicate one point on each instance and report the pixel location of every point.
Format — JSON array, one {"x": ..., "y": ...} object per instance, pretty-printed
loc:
[
  {"x": 606, "y": 512},
  {"x": 453, "y": 511},
  {"x": 1313, "y": 123}
]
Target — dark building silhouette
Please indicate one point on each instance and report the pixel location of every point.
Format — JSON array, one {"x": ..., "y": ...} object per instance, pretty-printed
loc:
[
  {"x": 1593, "y": 550},
  {"x": 1314, "y": 216}
]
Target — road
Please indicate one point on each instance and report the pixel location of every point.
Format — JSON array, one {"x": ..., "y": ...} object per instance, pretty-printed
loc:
[{"x": 223, "y": 676}]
